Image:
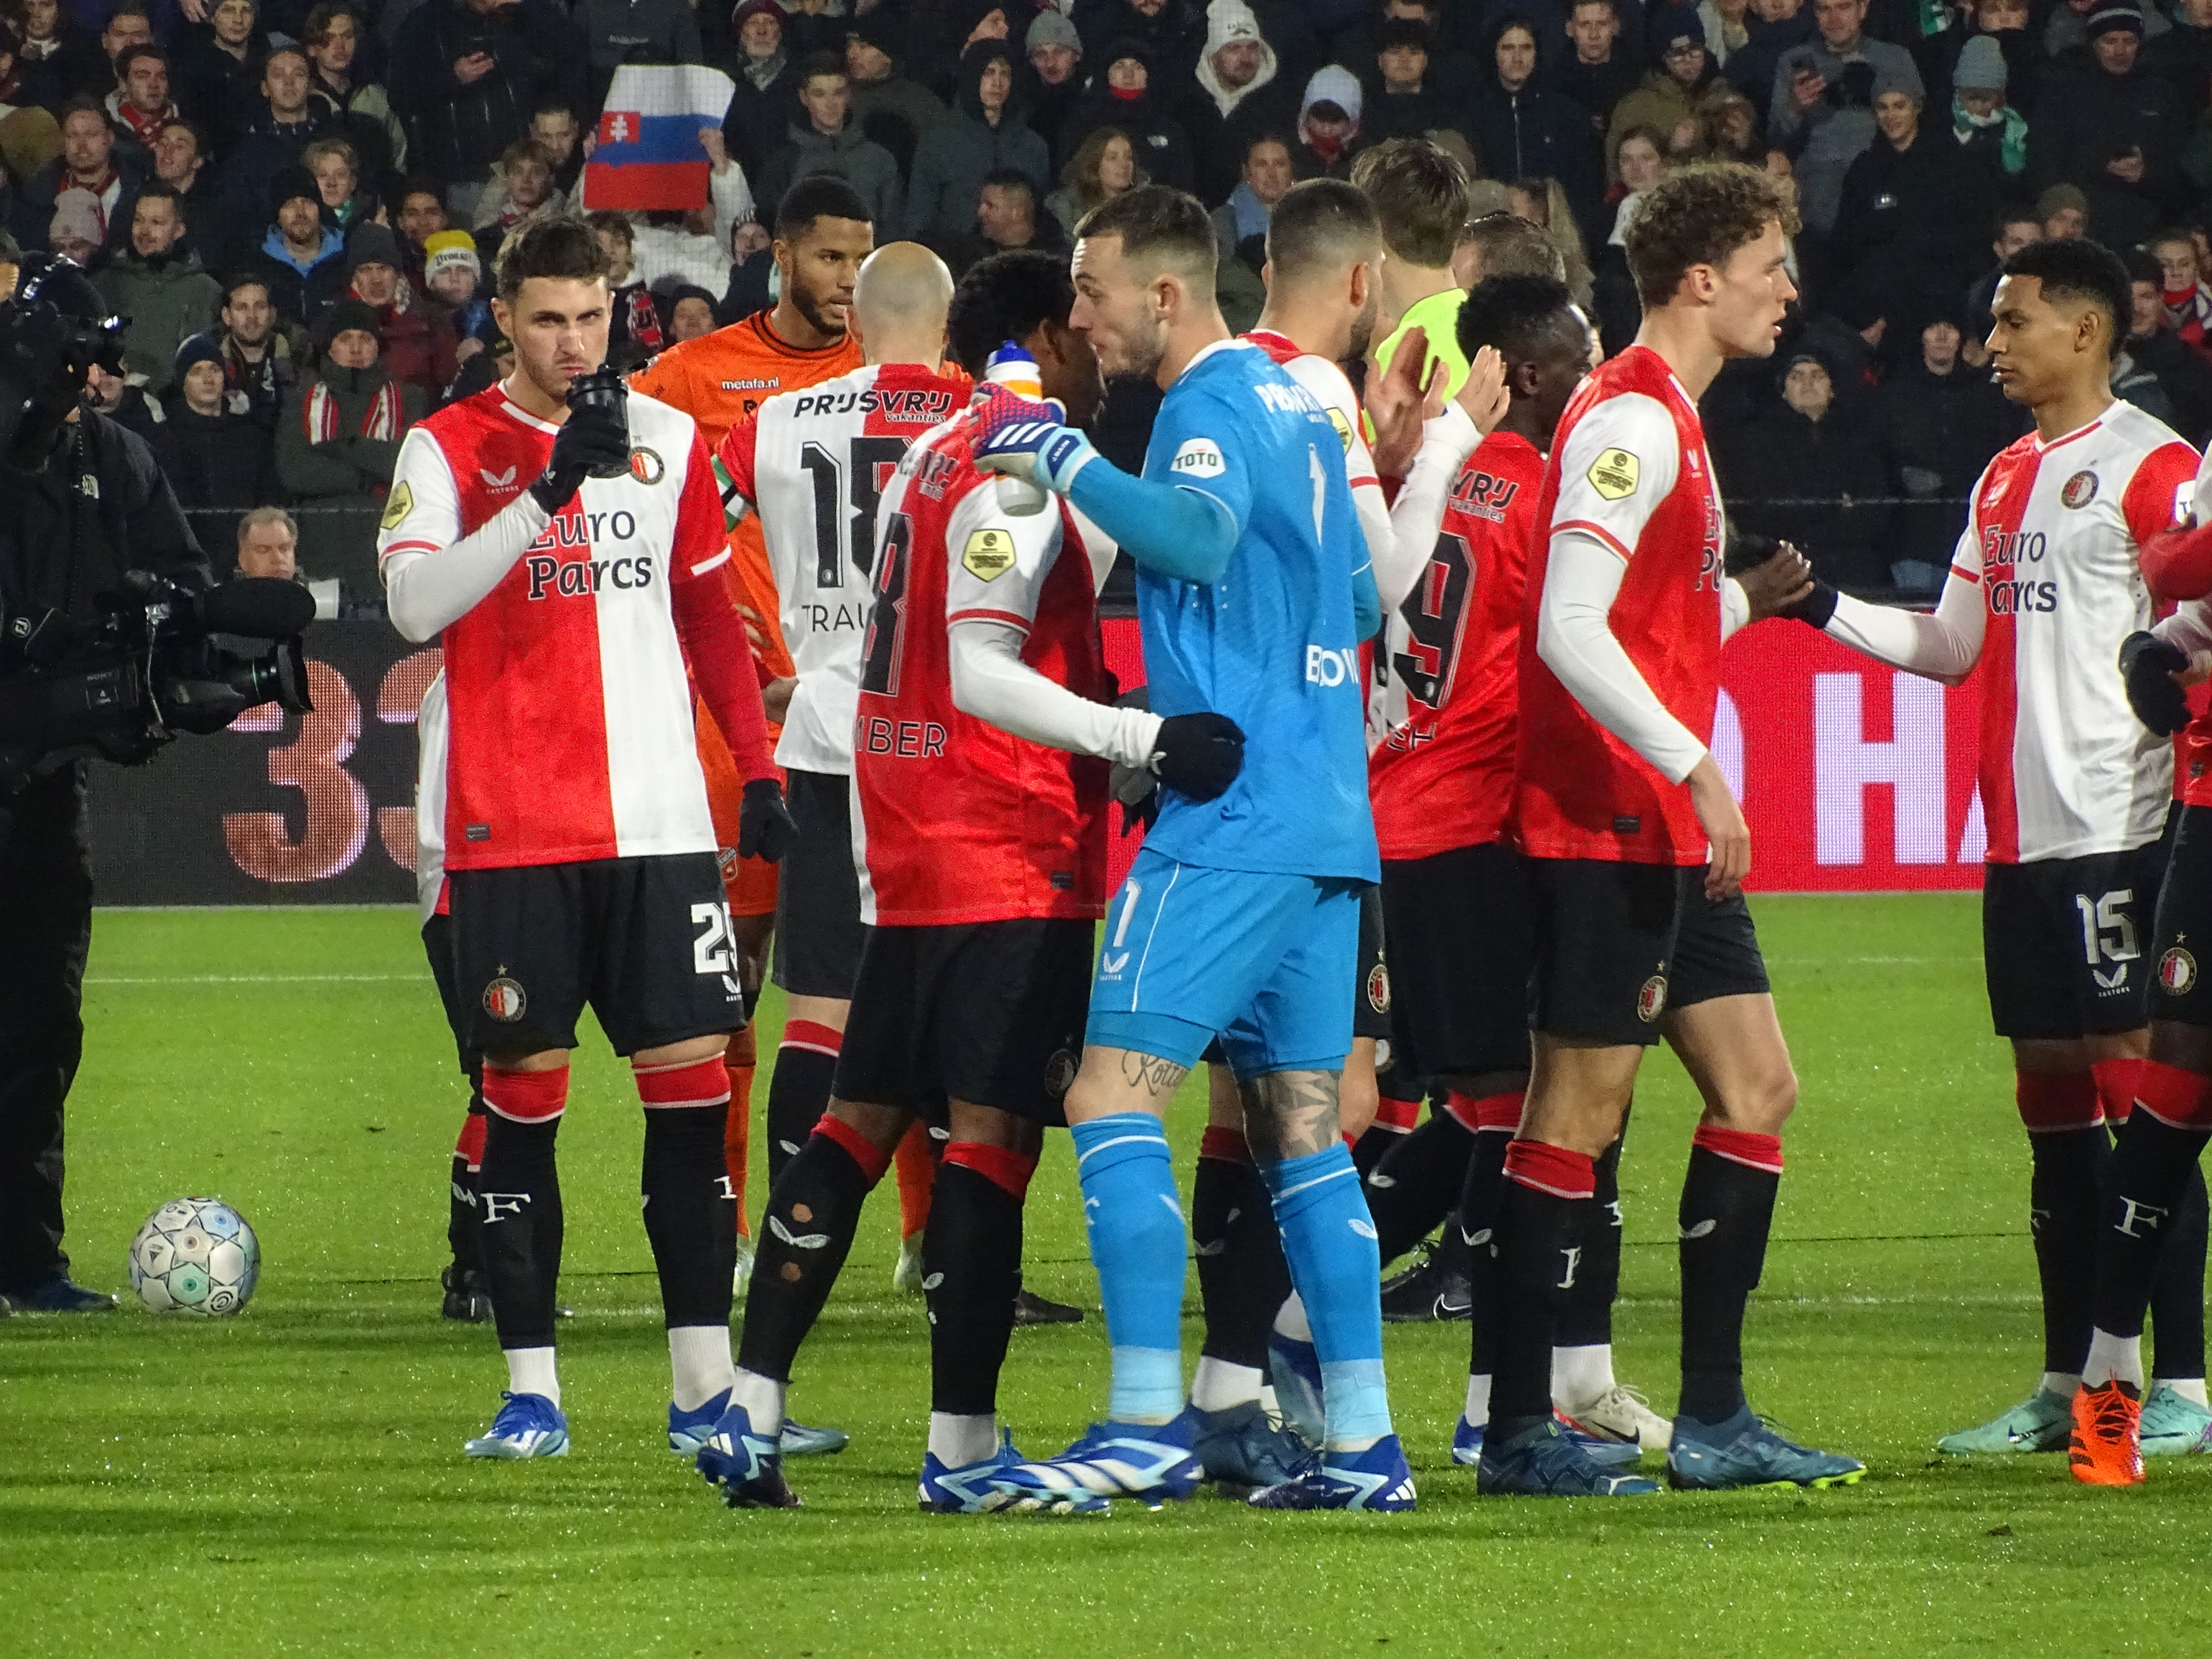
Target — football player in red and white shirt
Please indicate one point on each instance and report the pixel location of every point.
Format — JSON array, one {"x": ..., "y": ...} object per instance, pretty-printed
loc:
[
  {"x": 1617, "y": 797},
  {"x": 558, "y": 550},
  {"x": 2045, "y": 589},
  {"x": 980, "y": 770},
  {"x": 813, "y": 466}
]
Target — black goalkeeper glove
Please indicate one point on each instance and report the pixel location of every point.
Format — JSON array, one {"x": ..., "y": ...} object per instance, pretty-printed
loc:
[
  {"x": 593, "y": 442},
  {"x": 1199, "y": 755},
  {"x": 764, "y": 827},
  {"x": 2148, "y": 664}
]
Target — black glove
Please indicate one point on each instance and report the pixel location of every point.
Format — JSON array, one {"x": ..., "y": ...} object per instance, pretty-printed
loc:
[
  {"x": 1816, "y": 607},
  {"x": 1200, "y": 754},
  {"x": 2147, "y": 664},
  {"x": 594, "y": 439},
  {"x": 764, "y": 827}
]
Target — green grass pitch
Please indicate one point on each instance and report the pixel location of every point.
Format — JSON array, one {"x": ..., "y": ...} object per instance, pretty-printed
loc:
[{"x": 292, "y": 1482}]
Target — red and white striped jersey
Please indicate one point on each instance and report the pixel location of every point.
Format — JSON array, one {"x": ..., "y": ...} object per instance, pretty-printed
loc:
[
  {"x": 1442, "y": 778},
  {"x": 814, "y": 464},
  {"x": 2052, "y": 540},
  {"x": 568, "y": 711},
  {"x": 954, "y": 820},
  {"x": 1628, "y": 466}
]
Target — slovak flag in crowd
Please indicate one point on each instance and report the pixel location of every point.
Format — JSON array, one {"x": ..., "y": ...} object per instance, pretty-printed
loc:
[{"x": 647, "y": 155}]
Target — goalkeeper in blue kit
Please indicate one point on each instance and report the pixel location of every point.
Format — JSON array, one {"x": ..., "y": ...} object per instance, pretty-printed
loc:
[{"x": 1240, "y": 917}]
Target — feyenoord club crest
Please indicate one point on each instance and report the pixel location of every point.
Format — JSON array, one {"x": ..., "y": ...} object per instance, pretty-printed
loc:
[
  {"x": 1378, "y": 988},
  {"x": 503, "y": 999},
  {"x": 2176, "y": 972},
  {"x": 2080, "y": 490},
  {"x": 1651, "y": 1001},
  {"x": 1060, "y": 1072},
  {"x": 648, "y": 468}
]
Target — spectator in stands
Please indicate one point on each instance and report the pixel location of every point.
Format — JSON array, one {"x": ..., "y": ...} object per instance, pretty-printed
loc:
[
  {"x": 2154, "y": 348},
  {"x": 159, "y": 285},
  {"x": 1124, "y": 97},
  {"x": 523, "y": 184},
  {"x": 1520, "y": 129},
  {"x": 130, "y": 23},
  {"x": 292, "y": 116},
  {"x": 337, "y": 442},
  {"x": 180, "y": 161},
  {"x": 1799, "y": 454},
  {"x": 29, "y": 135},
  {"x": 1820, "y": 108},
  {"x": 634, "y": 331},
  {"x": 1101, "y": 169},
  {"x": 1598, "y": 73},
  {"x": 140, "y": 106},
  {"x": 1055, "y": 55},
  {"x": 87, "y": 163},
  {"x": 302, "y": 260},
  {"x": 695, "y": 246},
  {"x": 466, "y": 74},
  {"x": 690, "y": 313},
  {"x": 1993, "y": 134},
  {"x": 1728, "y": 127},
  {"x": 2182, "y": 57},
  {"x": 332, "y": 37},
  {"x": 1240, "y": 230},
  {"x": 2182, "y": 289},
  {"x": 415, "y": 333},
  {"x": 346, "y": 200},
  {"x": 1171, "y": 33},
  {"x": 74, "y": 230},
  {"x": 219, "y": 456},
  {"x": 984, "y": 132},
  {"x": 2015, "y": 228},
  {"x": 128, "y": 405},
  {"x": 260, "y": 355},
  {"x": 1543, "y": 203},
  {"x": 1905, "y": 230},
  {"x": 618, "y": 32},
  {"x": 218, "y": 68},
  {"x": 1667, "y": 98},
  {"x": 1328, "y": 124},
  {"x": 752, "y": 268},
  {"x": 1771, "y": 28},
  {"x": 888, "y": 106},
  {"x": 58, "y": 59},
  {"x": 453, "y": 273},
  {"x": 419, "y": 216},
  {"x": 826, "y": 139},
  {"x": 269, "y": 544},
  {"x": 2005, "y": 25},
  {"x": 1402, "y": 103},
  {"x": 766, "y": 79},
  {"x": 2062, "y": 210},
  {"x": 1939, "y": 421},
  {"x": 1242, "y": 95},
  {"x": 2109, "y": 125},
  {"x": 1008, "y": 215}
]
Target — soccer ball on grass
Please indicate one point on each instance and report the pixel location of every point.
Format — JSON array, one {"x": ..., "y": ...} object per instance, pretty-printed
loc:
[{"x": 195, "y": 1255}]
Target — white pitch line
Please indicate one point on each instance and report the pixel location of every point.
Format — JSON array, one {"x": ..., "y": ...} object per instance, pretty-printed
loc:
[{"x": 260, "y": 979}]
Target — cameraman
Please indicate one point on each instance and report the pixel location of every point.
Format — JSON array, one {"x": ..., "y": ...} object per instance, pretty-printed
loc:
[{"x": 82, "y": 502}]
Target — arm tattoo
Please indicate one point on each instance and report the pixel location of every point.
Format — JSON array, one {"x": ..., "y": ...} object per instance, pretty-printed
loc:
[
  {"x": 1156, "y": 1077},
  {"x": 1290, "y": 1115}
]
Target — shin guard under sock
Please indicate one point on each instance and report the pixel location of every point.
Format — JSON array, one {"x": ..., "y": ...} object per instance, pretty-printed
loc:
[
  {"x": 1330, "y": 1242},
  {"x": 1417, "y": 1180},
  {"x": 1136, "y": 1233},
  {"x": 2145, "y": 1190},
  {"x": 689, "y": 1197},
  {"x": 798, "y": 1088},
  {"x": 2177, "y": 1295},
  {"x": 463, "y": 1234},
  {"x": 972, "y": 1262},
  {"x": 812, "y": 1213},
  {"x": 1727, "y": 1209},
  {"x": 1586, "y": 1318},
  {"x": 518, "y": 1202},
  {"x": 1541, "y": 1216},
  {"x": 1242, "y": 1276}
]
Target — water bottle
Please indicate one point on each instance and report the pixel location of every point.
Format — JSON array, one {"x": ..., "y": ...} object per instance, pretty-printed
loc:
[{"x": 1015, "y": 369}]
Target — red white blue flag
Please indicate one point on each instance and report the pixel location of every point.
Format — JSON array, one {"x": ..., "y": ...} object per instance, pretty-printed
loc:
[{"x": 648, "y": 155}]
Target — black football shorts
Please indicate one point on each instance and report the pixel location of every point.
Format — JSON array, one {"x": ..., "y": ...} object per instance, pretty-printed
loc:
[
  {"x": 1463, "y": 938},
  {"x": 2183, "y": 946},
  {"x": 818, "y": 932},
  {"x": 2063, "y": 942}
]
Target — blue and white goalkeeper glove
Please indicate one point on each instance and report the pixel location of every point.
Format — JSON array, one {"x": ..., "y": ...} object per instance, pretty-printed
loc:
[{"x": 1024, "y": 438}]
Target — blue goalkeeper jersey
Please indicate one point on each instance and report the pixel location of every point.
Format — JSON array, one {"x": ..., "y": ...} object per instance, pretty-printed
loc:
[{"x": 1273, "y": 644}]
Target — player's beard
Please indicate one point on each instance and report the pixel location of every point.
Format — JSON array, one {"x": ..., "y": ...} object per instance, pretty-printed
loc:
[
  {"x": 1363, "y": 326},
  {"x": 815, "y": 309},
  {"x": 1140, "y": 353}
]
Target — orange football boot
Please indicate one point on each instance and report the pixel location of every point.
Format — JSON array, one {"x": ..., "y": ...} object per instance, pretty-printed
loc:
[{"x": 2106, "y": 1447}]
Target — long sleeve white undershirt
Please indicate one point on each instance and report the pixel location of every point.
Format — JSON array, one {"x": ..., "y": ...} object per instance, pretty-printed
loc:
[
  {"x": 425, "y": 593},
  {"x": 1944, "y": 646},
  {"x": 1419, "y": 513},
  {"x": 1575, "y": 638},
  {"x": 991, "y": 682}
]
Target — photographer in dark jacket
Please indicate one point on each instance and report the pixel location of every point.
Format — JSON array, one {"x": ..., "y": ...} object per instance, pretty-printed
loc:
[{"x": 81, "y": 503}]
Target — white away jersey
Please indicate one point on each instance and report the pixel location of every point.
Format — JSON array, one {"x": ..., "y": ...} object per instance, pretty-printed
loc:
[
  {"x": 2052, "y": 540},
  {"x": 569, "y": 716},
  {"x": 814, "y": 464}
]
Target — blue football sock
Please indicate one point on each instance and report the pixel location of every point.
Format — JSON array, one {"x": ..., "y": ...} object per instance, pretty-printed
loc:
[
  {"x": 1137, "y": 1243},
  {"x": 1329, "y": 1241}
]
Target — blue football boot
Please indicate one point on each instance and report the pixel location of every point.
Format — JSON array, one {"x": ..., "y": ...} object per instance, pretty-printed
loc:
[
  {"x": 1543, "y": 1463},
  {"x": 1467, "y": 1443},
  {"x": 528, "y": 1425},
  {"x": 1295, "y": 1370},
  {"x": 1598, "y": 1448},
  {"x": 747, "y": 1467},
  {"x": 1745, "y": 1453},
  {"x": 688, "y": 1431},
  {"x": 1376, "y": 1479},
  {"x": 800, "y": 1441},
  {"x": 972, "y": 1489},
  {"x": 1243, "y": 1450},
  {"x": 1154, "y": 1462}
]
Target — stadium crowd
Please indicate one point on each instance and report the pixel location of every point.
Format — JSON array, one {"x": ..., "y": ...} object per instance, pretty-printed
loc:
[{"x": 297, "y": 206}]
